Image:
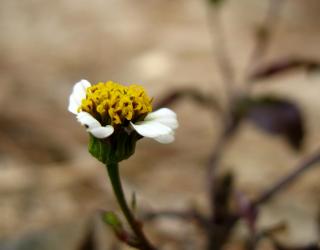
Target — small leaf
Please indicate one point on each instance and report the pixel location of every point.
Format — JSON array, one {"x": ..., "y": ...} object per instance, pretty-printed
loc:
[
  {"x": 279, "y": 117},
  {"x": 113, "y": 220}
]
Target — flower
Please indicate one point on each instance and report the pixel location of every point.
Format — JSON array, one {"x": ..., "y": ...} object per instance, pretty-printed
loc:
[{"x": 105, "y": 108}]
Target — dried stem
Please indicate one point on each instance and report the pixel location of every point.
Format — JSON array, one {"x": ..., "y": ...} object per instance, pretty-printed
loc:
[
  {"x": 215, "y": 158},
  {"x": 218, "y": 233},
  {"x": 263, "y": 37},
  {"x": 288, "y": 179},
  {"x": 195, "y": 95},
  {"x": 220, "y": 51}
]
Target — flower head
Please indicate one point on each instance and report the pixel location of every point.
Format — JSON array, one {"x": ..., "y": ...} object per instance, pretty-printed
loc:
[
  {"x": 115, "y": 104},
  {"x": 110, "y": 108}
]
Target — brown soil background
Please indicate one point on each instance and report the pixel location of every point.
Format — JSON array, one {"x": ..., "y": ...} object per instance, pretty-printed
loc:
[{"x": 50, "y": 187}]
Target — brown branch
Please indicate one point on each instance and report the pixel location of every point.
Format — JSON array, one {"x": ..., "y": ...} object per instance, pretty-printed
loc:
[
  {"x": 220, "y": 50},
  {"x": 193, "y": 94},
  {"x": 288, "y": 179},
  {"x": 280, "y": 246},
  {"x": 282, "y": 66},
  {"x": 263, "y": 36}
]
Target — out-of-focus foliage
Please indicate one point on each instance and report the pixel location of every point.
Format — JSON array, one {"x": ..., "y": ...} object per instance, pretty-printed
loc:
[
  {"x": 275, "y": 116},
  {"x": 216, "y": 2}
]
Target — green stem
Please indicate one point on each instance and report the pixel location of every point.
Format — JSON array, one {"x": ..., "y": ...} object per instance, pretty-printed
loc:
[{"x": 113, "y": 171}]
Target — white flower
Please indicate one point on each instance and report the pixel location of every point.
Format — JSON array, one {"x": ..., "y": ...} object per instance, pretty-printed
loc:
[{"x": 159, "y": 125}]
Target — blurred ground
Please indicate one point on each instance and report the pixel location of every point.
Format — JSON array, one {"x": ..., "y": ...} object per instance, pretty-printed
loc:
[{"x": 49, "y": 185}]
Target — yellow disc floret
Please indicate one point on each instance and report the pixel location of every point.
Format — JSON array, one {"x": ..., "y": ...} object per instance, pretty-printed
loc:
[{"x": 115, "y": 104}]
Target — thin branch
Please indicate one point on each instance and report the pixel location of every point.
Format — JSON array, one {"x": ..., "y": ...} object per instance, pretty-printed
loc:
[
  {"x": 279, "y": 246},
  {"x": 288, "y": 179},
  {"x": 263, "y": 37},
  {"x": 283, "y": 66},
  {"x": 273, "y": 230},
  {"x": 220, "y": 50},
  {"x": 213, "y": 163},
  {"x": 193, "y": 94},
  {"x": 217, "y": 234}
]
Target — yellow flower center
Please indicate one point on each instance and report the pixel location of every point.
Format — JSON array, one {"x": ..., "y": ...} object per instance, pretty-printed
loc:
[{"x": 113, "y": 103}]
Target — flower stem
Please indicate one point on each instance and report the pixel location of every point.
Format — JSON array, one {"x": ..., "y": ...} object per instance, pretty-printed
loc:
[{"x": 113, "y": 171}]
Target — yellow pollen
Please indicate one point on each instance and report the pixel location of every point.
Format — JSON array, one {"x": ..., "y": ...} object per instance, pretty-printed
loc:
[{"x": 113, "y": 103}]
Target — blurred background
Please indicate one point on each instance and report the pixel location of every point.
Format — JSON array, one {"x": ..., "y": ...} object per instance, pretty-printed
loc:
[{"x": 51, "y": 188}]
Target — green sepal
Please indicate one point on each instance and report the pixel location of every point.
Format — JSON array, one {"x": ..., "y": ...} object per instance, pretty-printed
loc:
[{"x": 118, "y": 147}]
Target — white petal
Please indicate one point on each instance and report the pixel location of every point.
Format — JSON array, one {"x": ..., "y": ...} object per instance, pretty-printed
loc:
[
  {"x": 164, "y": 116},
  {"x": 168, "y": 121},
  {"x": 88, "y": 120},
  {"x": 101, "y": 132},
  {"x": 77, "y": 95},
  {"x": 165, "y": 139},
  {"x": 73, "y": 105},
  {"x": 163, "y": 112},
  {"x": 151, "y": 129},
  {"x": 93, "y": 126}
]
